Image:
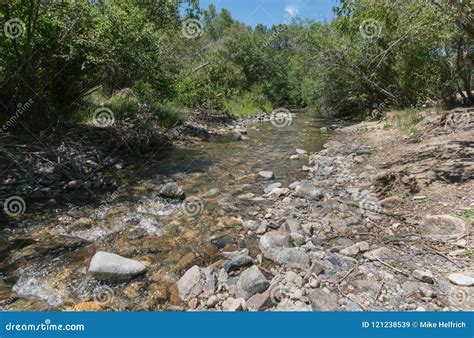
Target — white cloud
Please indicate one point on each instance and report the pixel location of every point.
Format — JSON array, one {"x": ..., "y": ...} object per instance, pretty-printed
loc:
[{"x": 291, "y": 10}]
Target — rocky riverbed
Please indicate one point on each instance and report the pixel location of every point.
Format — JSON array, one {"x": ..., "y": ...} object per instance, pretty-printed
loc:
[{"x": 270, "y": 217}]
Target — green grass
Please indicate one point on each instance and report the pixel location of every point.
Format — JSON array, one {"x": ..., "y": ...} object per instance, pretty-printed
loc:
[
  {"x": 247, "y": 104},
  {"x": 466, "y": 213},
  {"x": 405, "y": 120},
  {"x": 166, "y": 114}
]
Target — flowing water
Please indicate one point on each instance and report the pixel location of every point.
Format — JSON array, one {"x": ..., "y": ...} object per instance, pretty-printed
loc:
[{"x": 45, "y": 257}]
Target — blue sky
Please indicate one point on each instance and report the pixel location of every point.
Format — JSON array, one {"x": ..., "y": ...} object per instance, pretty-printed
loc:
[{"x": 269, "y": 12}]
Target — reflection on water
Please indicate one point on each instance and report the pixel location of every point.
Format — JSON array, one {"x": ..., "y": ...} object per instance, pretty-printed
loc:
[{"x": 46, "y": 257}]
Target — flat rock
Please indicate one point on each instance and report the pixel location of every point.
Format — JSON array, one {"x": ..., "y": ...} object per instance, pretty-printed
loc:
[
  {"x": 322, "y": 301},
  {"x": 232, "y": 304},
  {"x": 307, "y": 190},
  {"x": 270, "y": 187},
  {"x": 424, "y": 276},
  {"x": 443, "y": 227},
  {"x": 266, "y": 174},
  {"x": 191, "y": 284},
  {"x": 251, "y": 281},
  {"x": 236, "y": 263},
  {"x": 461, "y": 279},
  {"x": 260, "y": 302},
  {"x": 106, "y": 265}
]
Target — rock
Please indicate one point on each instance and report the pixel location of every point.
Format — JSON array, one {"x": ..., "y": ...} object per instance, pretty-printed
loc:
[
  {"x": 317, "y": 268},
  {"x": 266, "y": 174},
  {"x": 172, "y": 190},
  {"x": 251, "y": 281},
  {"x": 274, "y": 239},
  {"x": 74, "y": 184},
  {"x": 363, "y": 246},
  {"x": 379, "y": 253},
  {"x": 251, "y": 225},
  {"x": 193, "y": 303},
  {"x": 294, "y": 157},
  {"x": 212, "y": 301},
  {"x": 323, "y": 301},
  {"x": 236, "y": 263},
  {"x": 105, "y": 266},
  {"x": 301, "y": 152},
  {"x": 295, "y": 258},
  {"x": 443, "y": 227},
  {"x": 191, "y": 284},
  {"x": 351, "y": 251},
  {"x": 277, "y": 192},
  {"x": 270, "y": 187},
  {"x": 293, "y": 225},
  {"x": 232, "y": 304},
  {"x": 222, "y": 241},
  {"x": 424, "y": 276},
  {"x": 461, "y": 279},
  {"x": 260, "y": 302},
  {"x": 276, "y": 246},
  {"x": 294, "y": 185},
  {"x": 308, "y": 191}
]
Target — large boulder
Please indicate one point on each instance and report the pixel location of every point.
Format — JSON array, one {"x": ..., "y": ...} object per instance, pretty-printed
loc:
[
  {"x": 251, "y": 281},
  {"x": 106, "y": 266}
]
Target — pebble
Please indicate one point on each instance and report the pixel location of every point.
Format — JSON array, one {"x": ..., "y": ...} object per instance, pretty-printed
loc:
[
  {"x": 461, "y": 279},
  {"x": 424, "y": 276}
]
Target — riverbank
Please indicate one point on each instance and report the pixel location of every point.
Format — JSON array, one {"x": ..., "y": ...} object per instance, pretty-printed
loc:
[
  {"x": 274, "y": 217},
  {"x": 86, "y": 158},
  {"x": 383, "y": 222}
]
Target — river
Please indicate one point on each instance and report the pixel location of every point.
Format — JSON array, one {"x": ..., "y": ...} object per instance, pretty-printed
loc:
[{"x": 45, "y": 257}]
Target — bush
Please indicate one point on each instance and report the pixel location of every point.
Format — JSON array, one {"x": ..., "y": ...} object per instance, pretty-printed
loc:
[{"x": 247, "y": 104}]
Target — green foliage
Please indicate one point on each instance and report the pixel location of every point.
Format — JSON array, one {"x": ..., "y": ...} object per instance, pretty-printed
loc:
[
  {"x": 420, "y": 50},
  {"x": 248, "y": 103}
]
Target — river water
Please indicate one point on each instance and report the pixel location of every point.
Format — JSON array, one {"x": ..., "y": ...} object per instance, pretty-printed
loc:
[{"x": 46, "y": 254}]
